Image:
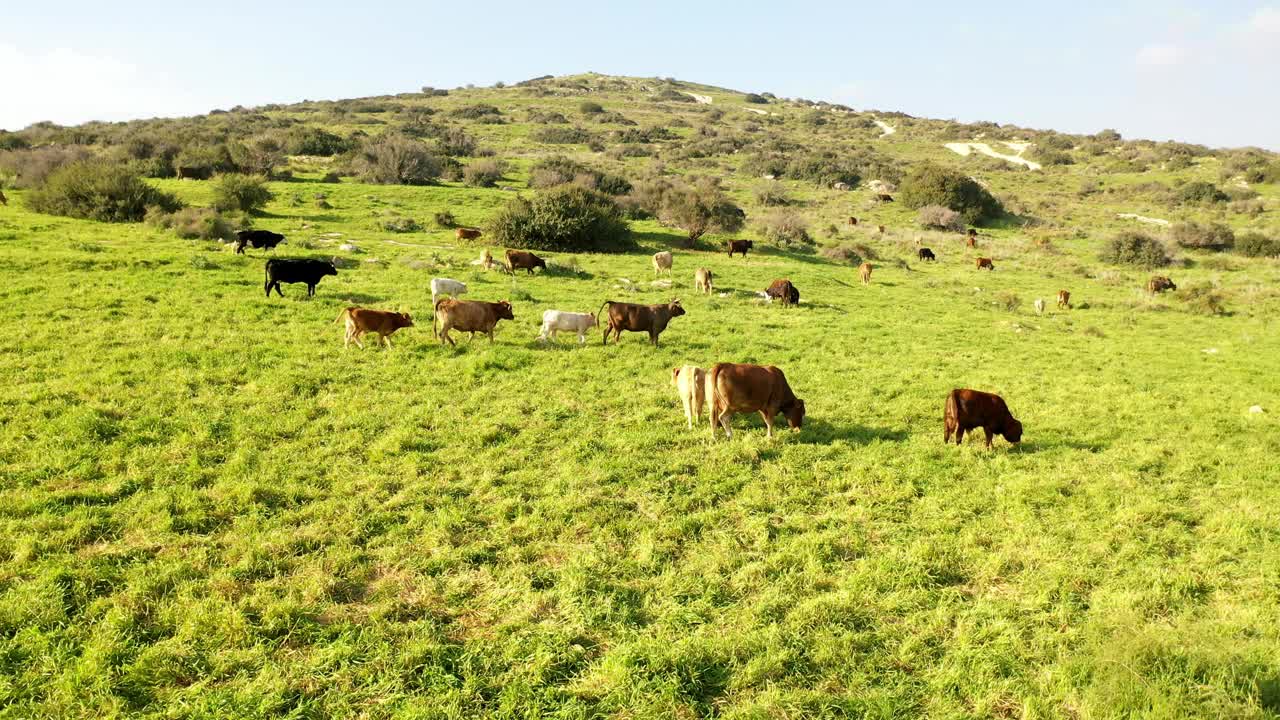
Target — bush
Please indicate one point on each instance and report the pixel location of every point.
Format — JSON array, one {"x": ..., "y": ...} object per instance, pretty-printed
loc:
[
  {"x": 1255, "y": 244},
  {"x": 401, "y": 225},
  {"x": 940, "y": 218},
  {"x": 1131, "y": 247},
  {"x": 772, "y": 195},
  {"x": 483, "y": 173},
  {"x": 561, "y": 136},
  {"x": 455, "y": 142},
  {"x": 1201, "y": 192},
  {"x": 1212, "y": 236},
  {"x": 246, "y": 193},
  {"x": 331, "y": 177},
  {"x": 196, "y": 223},
  {"x": 669, "y": 95},
  {"x": 824, "y": 169},
  {"x": 559, "y": 170},
  {"x": 785, "y": 227},
  {"x": 397, "y": 160},
  {"x": 565, "y": 218},
  {"x": 852, "y": 254},
  {"x": 30, "y": 168},
  {"x": 931, "y": 184},
  {"x": 590, "y": 108},
  {"x": 93, "y": 190},
  {"x": 756, "y": 99},
  {"x": 444, "y": 219},
  {"x": 1009, "y": 301},
  {"x": 1203, "y": 300},
  {"x": 475, "y": 112},
  {"x": 697, "y": 206},
  {"x": 257, "y": 156},
  {"x": 315, "y": 141}
]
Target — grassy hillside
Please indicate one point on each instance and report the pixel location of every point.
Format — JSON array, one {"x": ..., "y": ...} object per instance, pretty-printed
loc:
[{"x": 209, "y": 509}]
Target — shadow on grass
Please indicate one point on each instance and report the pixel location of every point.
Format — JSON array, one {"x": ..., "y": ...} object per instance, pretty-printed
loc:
[
  {"x": 818, "y": 431},
  {"x": 360, "y": 298}
]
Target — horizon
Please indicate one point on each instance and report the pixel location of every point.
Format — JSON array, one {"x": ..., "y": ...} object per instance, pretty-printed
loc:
[{"x": 1170, "y": 80}]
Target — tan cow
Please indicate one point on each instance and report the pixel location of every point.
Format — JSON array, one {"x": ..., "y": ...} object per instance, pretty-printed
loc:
[
  {"x": 467, "y": 233},
  {"x": 363, "y": 320},
  {"x": 471, "y": 316},
  {"x": 864, "y": 272},
  {"x": 702, "y": 281},
  {"x": 691, "y": 384},
  {"x": 734, "y": 388},
  {"x": 662, "y": 261},
  {"x": 1064, "y": 299}
]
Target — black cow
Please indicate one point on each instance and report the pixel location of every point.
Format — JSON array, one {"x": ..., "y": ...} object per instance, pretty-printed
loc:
[
  {"x": 297, "y": 271},
  {"x": 926, "y": 254},
  {"x": 257, "y": 239}
]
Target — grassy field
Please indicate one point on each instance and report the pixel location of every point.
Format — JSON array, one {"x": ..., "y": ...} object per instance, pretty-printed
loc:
[{"x": 210, "y": 510}]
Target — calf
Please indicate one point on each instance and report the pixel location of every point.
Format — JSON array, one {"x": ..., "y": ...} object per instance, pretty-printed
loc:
[
  {"x": 471, "y": 316},
  {"x": 853, "y": 220},
  {"x": 1159, "y": 284},
  {"x": 783, "y": 290},
  {"x": 363, "y": 320},
  {"x": 1039, "y": 303},
  {"x": 691, "y": 384},
  {"x": 554, "y": 321},
  {"x": 662, "y": 261},
  {"x": 881, "y": 229},
  {"x": 467, "y": 233},
  {"x": 446, "y": 286},
  {"x": 486, "y": 259},
  {"x": 257, "y": 239},
  {"x": 702, "y": 281},
  {"x": 734, "y": 388},
  {"x": 280, "y": 270},
  {"x": 926, "y": 254},
  {"x": 740, "y": 246},
  {"x": 194, "y": 173},
  {"x": 984, "y": 263},
  {"x": 972, "y": 241},
  {"x": 864, "y": 272},
  {"x": 1064, "y": 299},
  {"x": 652, "y": 319},
  {"x": 522, "y": 260},
  {"x": 884, "y": 197},
  {"x": 969, "y": 409}
]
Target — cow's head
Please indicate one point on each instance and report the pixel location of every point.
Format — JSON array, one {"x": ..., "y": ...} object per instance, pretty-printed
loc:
[
  {"x": 751, "y": 244},
  {"x": 504, "y": 310},
  {"x": 329, "y": 269},
  {"x": 592, "y": 321},
  {"x": 675, "y": 309},
  {"x": 794, "y": 414},
  {"x": 1013, "y": 431},
  {"x": 403, "y": 320}
]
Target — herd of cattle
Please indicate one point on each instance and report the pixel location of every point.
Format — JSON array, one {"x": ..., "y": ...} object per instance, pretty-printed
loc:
[{"x": 725, "y": 389}]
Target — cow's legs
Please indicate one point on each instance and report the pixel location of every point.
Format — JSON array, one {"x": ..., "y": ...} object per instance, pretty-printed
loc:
[
  {"x": 386, "y": 340},
  {"x": 987, "y": 431},
  {"x": 582, "y": 337},
  {"x": 490, "y": 337},
  {"x": 768, "y": 423},
  {"x": 960, "y": 435},
  {"x": 946, "y": 432},
  {"x": 276, "y": 285},
  {"x": 724, "y": 422}
]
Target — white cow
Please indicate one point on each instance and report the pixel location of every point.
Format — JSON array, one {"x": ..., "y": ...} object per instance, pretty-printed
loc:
[
  {"x": 554, "y": 321},
  {"x": 690, "y": 382},
  {"x": 445, "y": 286},
  {"x": 661, "y": 261}
]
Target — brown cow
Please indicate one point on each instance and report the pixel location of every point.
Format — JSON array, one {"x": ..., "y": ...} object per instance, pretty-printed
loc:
[
  {"x": 363, "y": 320},
  {"x": 884, "y": 197},
  {"x": 740, "y": 246},
  {"x": 783, "y": 290},
  {"x": 972, "y": 241},
  {"x": 652, "y": 319},
  {"x": 523, "y": 260},
  {"x": 467, "y": 233},
  {"x": 969, "y": 409},
  {"x": 3, "y": 200},
  {"x": 1159, "y": 283},
  {"x": 984, "y": 263},
  {"x": 864, "y": 272},
  {"x": 703, "y": 281},
  {"x": 471, "y": 316},
  {"x": 734, "y": 388},
  {"x": 1064, "y": 299},
  {"x": 853, "y": 220},
  {"x": 881, "y": 229}
]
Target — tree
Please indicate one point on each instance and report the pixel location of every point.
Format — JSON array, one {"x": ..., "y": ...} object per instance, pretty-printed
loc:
[
  {"x": 245, "y": 193},
  {"x": 931, "y": 184},
  {"x": 259, "y": 155},
  {"x": 397, "y": 160},
  {"x": 567, "y": 218},
  {"x": 697, "y": 207}
]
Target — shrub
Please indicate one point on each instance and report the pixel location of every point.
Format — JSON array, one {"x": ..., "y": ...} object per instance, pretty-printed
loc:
[
  {"x": 669, "y": 95},
  {"x": 1211, "y": 236},
  {"x": 401, "y": 225},
  {"x": 315, "y": 141},
  {"x": 1203, "y": 300},
  {"x": 475, "y": 112},
  {"x": 257, "y": 156},
  {"x": 824, "y": 169},
  {"x": 590, "y": 108},
  {"x": 560, "y": 135},
  {"x": 397, "y": 160},
  {"x": 331, "y": 177},
  {"x": 246, "y": 193},
  {"x": 1131, "y": 247},
  {"x": 940, "y": 218},
  {"x": 444, "y": 219},
  {"x": 931, "y": 184},
  {"x": 697, "y": 206},
  {"x": 30, "y": 168},
  {"x": 455, "y": 142},
  {"x": 756, "y": 99},
  {"x": 772, "y": 195},
  {"x": 1009, "y": 301},
  {"x": 196, "y": 223},
  {"x": 483, "y": 173},
  {"x": 1201, "y": 192},
  {"x": 12, "y": 141},
  {"x": 1255, "y": 244},
  {"x": 205, "y": 160},
  {"x": 852, "y": 254},
  {"x": 558, "y": 170},
  {"x": 565, "y": 218},
  {"x": 96, "y": 191},
  {"x": 785, "y": 227}
]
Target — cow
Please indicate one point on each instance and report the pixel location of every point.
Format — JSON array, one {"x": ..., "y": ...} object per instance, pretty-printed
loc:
[
  {"x": 486, "y": 259},
  {"x": 703, "y": 281},
  {"x": 926, "y": 254},
  {"x": 733, "y": 388},
  {"x": 1039, "y": 303},
  {"x": 523, "y": 260},
  {"x": 471, "y": 316},
  {"x": 363, "y": 320},
  {"x": 691, "y": 383},
  {"x": 783, "y": 290},
  {"x": 554, "y": 321},
  {"x": 1159, "y": 283},
  {"x": 662, "y": 261},
  {"x": 740, "y": 246},
  {"x": 446, "y": 286},
  {"x": 966, "y": 410},
  {"x": 467, "y": 233},
  {"x": 864, "y": 272},
  {"x": 1064, "y": 299},
  {"x": 311, "y": 272},
  {"x": 884, "y": 197},
  {"x": 853, "y": 221},
  {"x": 652, "y": 319},
  {"x": 972, "y": 241},
  {"x": 984, "y": 263},
  {"x": 257, "y": 239},
  {"x": 881, "y": 229},
  {"x": 194, "y": 173}
]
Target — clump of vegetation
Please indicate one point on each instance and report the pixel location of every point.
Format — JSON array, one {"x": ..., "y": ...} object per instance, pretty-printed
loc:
[
  {"x": 1135, "y": 248},
  {"x": 28, "y": 168},
  {"x": 772, "y": 195},
  {"x": 565, "y": 218},
  {"x": 483, "y": 173},
  {"x": 559, "y": 170},
  {"x": 1255, "y": 244},
  {"x": 307, "y": 140},
  {"x": 1209, "y": 236},
  {"x": 95, "y": 190},
  {"x": 785, "y": 228},
  {"x": 196, "y": 223},
  {"x": 1203, "y": 299},
  {"x": 243, "y": 193},
  {"x": 756, "y": 99},
  {"x": 1201, "y": 192},
  {"x": 937, "y": 217},
  {"x": 588, "y": 107},
  {"x": 931, "y": 184},
  {"x": 697, "y": 205},
  {"x": 397, "y": 160},
  {"x": 477, "y": 111},
  {"x": 257, "y": 156},
  {"x": 854, "y": 254},
  {"x": 1009, "y": 301},
  {"x": 444, "y": 219},
  {"x": 561, "y": 136},
  {"x": 401, "y": 225},
  {"x": 331, "y": 177}
]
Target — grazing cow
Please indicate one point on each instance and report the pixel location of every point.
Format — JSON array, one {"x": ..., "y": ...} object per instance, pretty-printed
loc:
[
  {"x": 740, "y": 246},
  {"x": 881, "y": 229},
  {"x": 984, "y": 263},
  {"x": 486, "y": 259},
  {"x": 194, "y": 173},
  {"x": 652, "y": 319},
  {"x": 884, "y": 197},
  {"x": 445, "y": 286},
  {"x": 257, "y": 239},
  {"x": 363, "y": 320},
  {"x": 734, "y": 388},
  {"x": 783, "y": 290},
  {"x": 471, "y": 316},
  {"x": 1039, "y": 303},
  {"x": 853, "y": 220},
  {"x": 864, "y": 272},
  {"x": 467, "y": 233},
  {"x": 280, "y": 270},
  {"x": 972, "y": 240},
  {"x": 969, "y": 409},
  {"x": 691, "y": 384},
  {"x": 1064, "y": 299},
  {"x": 523, "y": 260},
  {"x": 1159, "y": 283},
  {"x": 926, "y": 254},
  {"x": 702, "y": 281},
  {"x": 554, "y": 321},
  {"x": 662, "y": 261}
]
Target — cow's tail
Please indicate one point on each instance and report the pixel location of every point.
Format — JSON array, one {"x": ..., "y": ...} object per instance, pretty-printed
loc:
[
  {"x": 606, "y": 304},
  {"x": 951, "y": 409},
  {"x": 712, "y": 394},
  {"x": 435, "y": 317},
  {"x": 343, "y": 315},
  {"x": 266, "y": 280}
]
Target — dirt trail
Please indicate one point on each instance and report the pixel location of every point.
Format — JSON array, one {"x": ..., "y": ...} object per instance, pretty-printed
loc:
[
  {"x": 757, "y": 112},
  {"x": 1143, "y": 219},
  {"x": 702, "y": 99},
  {"x": 886, "y": 127},
  {"x": 964, "y": 148}
]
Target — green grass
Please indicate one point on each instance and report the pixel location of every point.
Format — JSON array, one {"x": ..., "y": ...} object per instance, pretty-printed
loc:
[{"x": 211, "y": 510}]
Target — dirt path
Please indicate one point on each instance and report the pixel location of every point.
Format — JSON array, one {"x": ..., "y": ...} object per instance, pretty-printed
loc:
[
  {"x": 886, "y": 127},
  {"x": 702, "y": 99},
  {"x": 757, "y": 112},
  {"x": 965, "y": 148},
  {"x": 1143, "y": 219}
]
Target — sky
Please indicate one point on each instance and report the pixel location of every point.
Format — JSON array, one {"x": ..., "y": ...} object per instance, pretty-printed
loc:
[{"x": 1197, "y": 72}]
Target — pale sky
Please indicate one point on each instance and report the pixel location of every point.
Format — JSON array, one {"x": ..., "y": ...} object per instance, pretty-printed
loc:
[{"x": 1198, "y": 72}]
